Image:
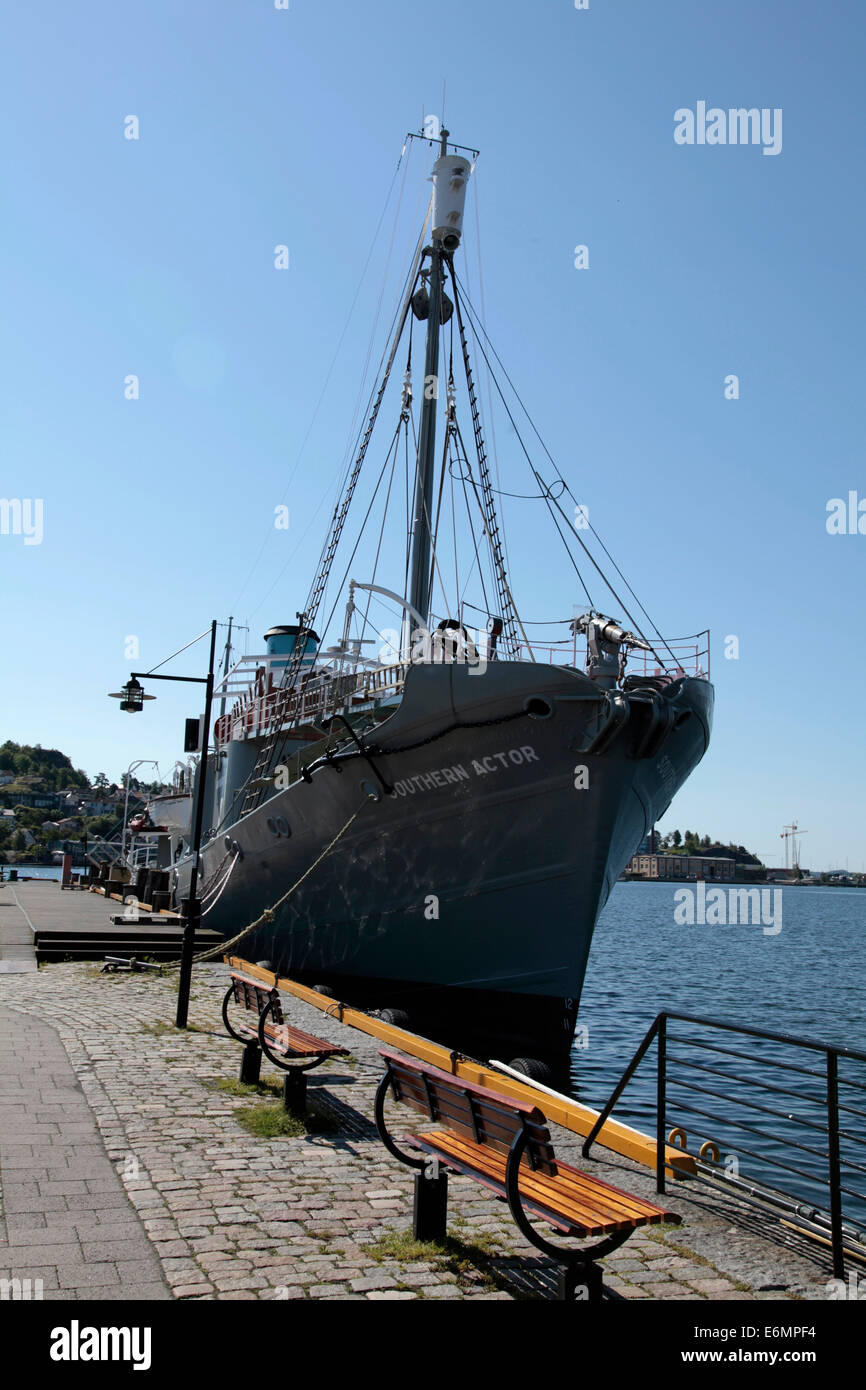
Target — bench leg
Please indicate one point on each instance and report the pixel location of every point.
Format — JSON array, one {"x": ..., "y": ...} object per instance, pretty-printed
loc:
[
  {"x": 430, "y": 1212},
  {"x": 295, "y": 1094},
  {"x": 251, "y": 1063},
  {"x": 579, "y": 1283}
]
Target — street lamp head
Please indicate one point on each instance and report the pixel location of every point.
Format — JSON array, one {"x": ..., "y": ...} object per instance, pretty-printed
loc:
[{"x": 131, "y": 697}]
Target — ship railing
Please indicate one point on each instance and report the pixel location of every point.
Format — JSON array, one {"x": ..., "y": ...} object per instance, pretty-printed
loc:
[
  {"x": 104, "y": 852},
  {"x": 319, "y": 695},
  {"x": 682, "y": 656},
  {"x": 556, "y": 654},
  {"x": 325, "y": 695},
  {"x": 723, "y": 1083}
]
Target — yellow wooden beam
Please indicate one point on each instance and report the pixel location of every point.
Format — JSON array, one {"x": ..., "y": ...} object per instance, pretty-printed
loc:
[{"x": 570, "y": 1114}]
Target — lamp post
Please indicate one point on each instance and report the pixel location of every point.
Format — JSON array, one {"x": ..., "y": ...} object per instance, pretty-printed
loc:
[{"x": 132, "y": 697}]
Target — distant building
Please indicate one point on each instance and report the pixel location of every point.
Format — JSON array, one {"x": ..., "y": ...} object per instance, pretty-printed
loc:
[
  {"x": 687, "y": 866},
  {"x": 38, "y": 800}
]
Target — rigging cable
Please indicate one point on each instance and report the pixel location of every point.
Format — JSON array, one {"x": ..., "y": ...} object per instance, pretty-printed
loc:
[
  {"x": 337, "y": 349},
  {"x": 373, "y": 406},
  {"x": 566, "y": 487},
  {"x": 580, "y": 541}
]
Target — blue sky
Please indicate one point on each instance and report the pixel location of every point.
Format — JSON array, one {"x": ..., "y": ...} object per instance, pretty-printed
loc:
[{"x": 261, "y": 127}]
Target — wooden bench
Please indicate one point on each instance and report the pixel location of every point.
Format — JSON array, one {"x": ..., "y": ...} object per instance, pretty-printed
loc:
[
  {"x": 504, "y": 1144},
  {"x": 290, "y": 1049}
]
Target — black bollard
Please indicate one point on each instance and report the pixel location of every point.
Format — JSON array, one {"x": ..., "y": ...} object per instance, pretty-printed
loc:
[
  {"x": 295, "y": 1094},
  {"x": 251, "y": 1063}
]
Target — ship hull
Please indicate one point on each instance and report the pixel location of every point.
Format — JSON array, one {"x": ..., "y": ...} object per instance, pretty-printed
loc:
[{"x": 467, "y": 893}]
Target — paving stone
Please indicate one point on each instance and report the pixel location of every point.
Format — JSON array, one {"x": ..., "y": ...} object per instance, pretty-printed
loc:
[
  {"x": 371, "y": 1281},
  {"x": 711, "y": 1286},
  {"x": 218, "y": 1214}
]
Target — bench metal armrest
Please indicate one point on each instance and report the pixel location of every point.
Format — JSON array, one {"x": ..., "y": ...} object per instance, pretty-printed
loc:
[
  {"x": 296, "y": 1066},
  {"x": 381, "y": 1093},
  {"x": 227, "y": 998},
  {"x": 560, "y": 1253}
]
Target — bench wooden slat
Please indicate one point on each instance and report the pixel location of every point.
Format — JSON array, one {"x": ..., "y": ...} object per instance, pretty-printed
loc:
[
  {"x": 408, "y": 1064},
  {"x": 474, "y": 1111},
  {"x": 596, "y": 1210},
  {"x": 496, "y": 1125},
  {"x": 286, "y": 1039},
  {"x": 253, "y": 995},
  {"x": 282, "y": 1037},
  {"x": 578, "y": 1192},
  {"x": 565, "y": 1221}
]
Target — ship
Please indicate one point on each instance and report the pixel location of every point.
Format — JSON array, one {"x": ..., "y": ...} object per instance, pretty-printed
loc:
[{"x": 431, "y": 830}]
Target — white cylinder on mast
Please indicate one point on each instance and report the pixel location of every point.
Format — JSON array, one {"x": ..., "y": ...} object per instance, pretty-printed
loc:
[{"x": 450, "y": 177}]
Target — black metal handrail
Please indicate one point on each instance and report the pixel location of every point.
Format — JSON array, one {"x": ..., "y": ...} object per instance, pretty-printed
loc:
[{"x": 829, "y": 1103}]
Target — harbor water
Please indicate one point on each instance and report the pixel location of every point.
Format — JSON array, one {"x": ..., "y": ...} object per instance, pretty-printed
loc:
[{"x": 807, "y": 979}]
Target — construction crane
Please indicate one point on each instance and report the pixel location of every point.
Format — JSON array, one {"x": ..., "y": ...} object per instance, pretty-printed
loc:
[{"x": 790, "y": 832}]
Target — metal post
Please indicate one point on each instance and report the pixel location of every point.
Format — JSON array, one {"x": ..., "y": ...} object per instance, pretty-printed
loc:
[
  {"x": 295, "y": 1094},
  {"x": 251, "y": 1063},
  {"x": 190, "y": 908},
  {"x": 419, "y": 591},
  {"x": 419, "y": 584},
  {"x": 833, "y": 1164},
  {"x": 226, "y": 668},
  {"x": 430, "y": 1210},
  {"x": 661, "y": 1103}
]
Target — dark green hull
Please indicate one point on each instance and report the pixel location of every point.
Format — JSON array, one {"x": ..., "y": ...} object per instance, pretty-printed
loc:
[{"x": 468, "y": 895}]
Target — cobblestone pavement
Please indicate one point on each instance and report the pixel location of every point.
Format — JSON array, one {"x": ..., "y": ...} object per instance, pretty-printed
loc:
[
  {"x": 67, "y": 1225},
  {"x": 231, "y": 1215}
]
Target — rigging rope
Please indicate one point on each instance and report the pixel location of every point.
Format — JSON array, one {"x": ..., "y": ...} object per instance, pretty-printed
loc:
[
  {"x": 270, "y": 912},
  {"x": 510, "y": 618},
  {"x": 566, "y": 487},
  {"x": 275, "y": 742},
  {"x": 336, "y": 354}
]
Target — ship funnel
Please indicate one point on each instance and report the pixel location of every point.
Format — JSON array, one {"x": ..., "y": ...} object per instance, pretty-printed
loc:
[
  {"x": 281, "y": 642},
  {"x": 450, "y": 177}
]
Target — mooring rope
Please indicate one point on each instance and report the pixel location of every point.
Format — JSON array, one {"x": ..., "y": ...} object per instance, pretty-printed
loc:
[
  {"x": 270, "y": 912},
  {"x": 222, "y": 887}
]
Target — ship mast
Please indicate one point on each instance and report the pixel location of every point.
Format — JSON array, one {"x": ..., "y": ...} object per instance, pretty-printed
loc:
[{"x": 450, "y": 175}]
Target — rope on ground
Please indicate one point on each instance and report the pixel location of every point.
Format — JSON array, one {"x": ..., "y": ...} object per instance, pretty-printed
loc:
[{"x": 270, "y": 912}]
